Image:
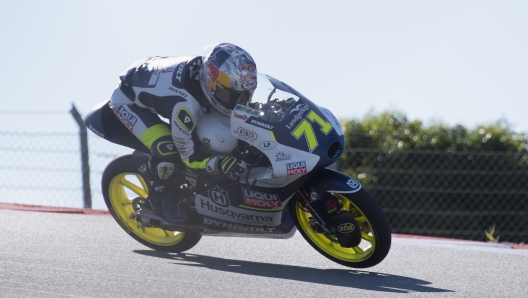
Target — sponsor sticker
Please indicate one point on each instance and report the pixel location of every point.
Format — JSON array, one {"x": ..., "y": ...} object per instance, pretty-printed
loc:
[
  {"x": 331, "y": 206},
  {"x": 208, "y": 207},
  {"x": 352, "y": 183},
  {"x": 234, "y": 226},
  {"x": 300, "y": 109},
  {"x": 195, "y": 69},
  {"x": 296, "y": 168},
  {"x": 260, "y": 199},
  {"x": 221, "y": 109},
  {"x": 95, "y": 131},
  {"x": 154, "y": 78},
  {"x": 219, "y": 196},
  {"x": 261, "y": 124},
  {"x": 207, "y": 142},
  {"x": 267, "y": 183},
  {"x": 177, "y": 91},
  {"x": 246, "y": 134},
  {"x": 179, "y": 72},
  {"x": 185, "y": 132},
  {"x": 280, "y": 156},
  {"x": 179, "y": 141},
  {"x": 336, "y": 154},
  {"x": 185, "y": 119},
  {"x": 267, "y": 145},
  {"x": 345, "y": 228},
  {"x": 239, "y": 116},
  {"x": 169, "y": 69},
  {"x": 251, "y": 84},
  {"x": 247, "y": 110},
  {"x": 125, "y": 117}
]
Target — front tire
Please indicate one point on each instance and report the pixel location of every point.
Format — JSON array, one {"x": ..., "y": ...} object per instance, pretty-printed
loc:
[
  {"x": 121, "y": 183},
  {"x": 375, "y": 231}
]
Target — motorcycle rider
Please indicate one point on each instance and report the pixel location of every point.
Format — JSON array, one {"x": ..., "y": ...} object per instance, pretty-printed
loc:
[{"x": 182, "y": 89}]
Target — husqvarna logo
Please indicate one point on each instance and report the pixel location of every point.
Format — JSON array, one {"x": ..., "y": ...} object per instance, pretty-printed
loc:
[
  {"x": 352, "y": 183},
  {"x": 219, "y": 196}
]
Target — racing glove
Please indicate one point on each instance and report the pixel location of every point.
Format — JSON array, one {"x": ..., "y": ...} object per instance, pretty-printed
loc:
[{"x": 231, "y": 166}]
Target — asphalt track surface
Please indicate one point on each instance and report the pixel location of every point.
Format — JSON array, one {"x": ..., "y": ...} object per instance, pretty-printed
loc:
[{"x": 78, "y": 255}]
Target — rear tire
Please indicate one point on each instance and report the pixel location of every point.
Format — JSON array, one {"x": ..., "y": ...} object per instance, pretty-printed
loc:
[
  {"x": 121, "y": 183},
  {"x": 375, "y": 231}
]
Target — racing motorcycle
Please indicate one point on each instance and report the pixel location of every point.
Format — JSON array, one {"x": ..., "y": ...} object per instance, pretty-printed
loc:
[{"x": 288, "y": 142}]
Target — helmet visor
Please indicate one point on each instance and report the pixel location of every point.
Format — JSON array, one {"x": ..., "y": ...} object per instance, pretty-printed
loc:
[{"x": 229, "y": 98}]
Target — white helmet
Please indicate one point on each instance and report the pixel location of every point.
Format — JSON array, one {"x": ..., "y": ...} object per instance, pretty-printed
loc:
[{"x": 228, "y": 78}]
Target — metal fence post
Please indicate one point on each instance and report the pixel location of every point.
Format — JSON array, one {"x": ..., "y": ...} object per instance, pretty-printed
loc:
[{"x": 83, "y": 135}]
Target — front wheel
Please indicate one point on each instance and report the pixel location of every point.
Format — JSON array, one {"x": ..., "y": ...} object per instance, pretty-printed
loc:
[
  {"x": 375, "y": 231},
  {"x": 122, "y": 183}
]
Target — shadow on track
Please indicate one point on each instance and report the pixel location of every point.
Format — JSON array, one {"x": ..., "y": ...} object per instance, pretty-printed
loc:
[{"x": 336, "y": 277}]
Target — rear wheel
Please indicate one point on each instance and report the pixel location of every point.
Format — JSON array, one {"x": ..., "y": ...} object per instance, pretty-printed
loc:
[
  {"x": 375, "y": 231},
  {"x": 122, "y": 183}
]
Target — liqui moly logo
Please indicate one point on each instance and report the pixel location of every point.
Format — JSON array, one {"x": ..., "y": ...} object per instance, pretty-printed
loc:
[
  {"x": 260, "y": 199},
  {"x": 296, "y": 168},
  {"x": 128, "y": 119}
]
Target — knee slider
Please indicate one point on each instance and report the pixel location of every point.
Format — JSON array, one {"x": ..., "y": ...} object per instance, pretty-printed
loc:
[{"x": 164, "y": 170}]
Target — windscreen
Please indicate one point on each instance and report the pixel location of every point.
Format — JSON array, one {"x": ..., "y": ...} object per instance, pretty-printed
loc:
[{"x": 273, "y": 101}]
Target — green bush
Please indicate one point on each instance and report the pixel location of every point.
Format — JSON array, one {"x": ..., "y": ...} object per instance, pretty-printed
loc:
[
  {"x": 440, "y": 180},
  {"x": 394, "y": 131}
]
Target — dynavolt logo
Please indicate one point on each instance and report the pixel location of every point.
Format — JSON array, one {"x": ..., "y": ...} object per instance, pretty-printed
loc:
[
  {"x": 234, "y": 226},
  {"x": 261, "y": 124}
]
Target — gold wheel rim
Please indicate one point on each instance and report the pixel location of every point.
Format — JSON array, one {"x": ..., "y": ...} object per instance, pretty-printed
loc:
[
  {"x": 354, "y": 254},
  {"x": 122, "y": 190}
]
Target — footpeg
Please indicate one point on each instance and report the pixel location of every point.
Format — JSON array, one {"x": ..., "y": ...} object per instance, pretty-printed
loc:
[{"x": 148, "y": 217}]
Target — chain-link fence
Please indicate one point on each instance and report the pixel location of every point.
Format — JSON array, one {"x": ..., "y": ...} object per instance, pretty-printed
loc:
[
  {"x": 45, "y": 168},
  {"x": 39, "y": 167},
  {"x": 437, "y": 193},
  {"x": 469, "y": 195}
]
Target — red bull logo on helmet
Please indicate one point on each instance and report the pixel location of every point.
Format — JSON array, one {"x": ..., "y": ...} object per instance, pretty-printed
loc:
[
  {"x": 248, "y": 71},
  {"x": 213, "y": 71}
]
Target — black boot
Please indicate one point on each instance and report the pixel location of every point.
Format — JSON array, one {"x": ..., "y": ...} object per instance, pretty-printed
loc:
[
  {"x": 163, "y": 195},
  {"x": 165, "y": 204}
]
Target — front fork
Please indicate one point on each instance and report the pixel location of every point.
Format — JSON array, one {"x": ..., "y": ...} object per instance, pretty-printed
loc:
[
  {"x": 320, "y": 220},
  {"x": 329, "y": 218}
]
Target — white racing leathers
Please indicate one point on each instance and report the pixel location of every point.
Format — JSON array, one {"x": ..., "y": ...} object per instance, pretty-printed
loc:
[{"x": 168, "y": 87}]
